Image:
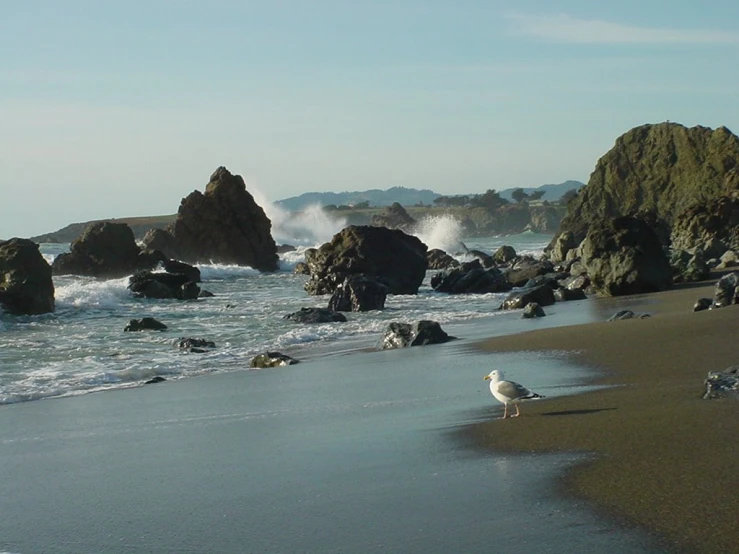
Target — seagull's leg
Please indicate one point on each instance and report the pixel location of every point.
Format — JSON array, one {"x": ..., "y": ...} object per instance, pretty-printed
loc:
[
  {"x": 505, "y": 410},
  {"x": 518, "y": 412}
]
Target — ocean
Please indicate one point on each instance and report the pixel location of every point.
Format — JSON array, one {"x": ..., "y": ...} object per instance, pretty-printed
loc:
[{"x": 82, "y": 348}]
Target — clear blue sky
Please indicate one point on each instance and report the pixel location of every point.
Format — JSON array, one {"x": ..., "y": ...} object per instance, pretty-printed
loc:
[{"x": 113, "y": 109}]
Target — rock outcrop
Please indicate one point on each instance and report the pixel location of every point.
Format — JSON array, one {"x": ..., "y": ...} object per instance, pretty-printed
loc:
[
  {"x": 712, "y": 226},
  {"x": 222, "y": 225},
  {"x": 624, "y": 256},
  {"x": 420, "y": 333},
  {"x": 316, "y": 315},
  {"x": 358, "y": 294},
  {"x": 26, "y": 286},
  {"x": 106, "y": 250},
  {"x": 470, "y": 277},
  {"x": 148, "y": 284},
  {"x": 395, "y": 217},
  {"x": 390, "y": 256},
  {"x": 663, "y": 169}
]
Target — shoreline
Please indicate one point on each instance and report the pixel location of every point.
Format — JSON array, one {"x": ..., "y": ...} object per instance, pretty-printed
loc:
[{"x": 664, "y": 459}]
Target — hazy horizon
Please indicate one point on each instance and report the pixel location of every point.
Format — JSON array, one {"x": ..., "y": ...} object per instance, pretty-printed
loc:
[{"x": 122, "y": 109}]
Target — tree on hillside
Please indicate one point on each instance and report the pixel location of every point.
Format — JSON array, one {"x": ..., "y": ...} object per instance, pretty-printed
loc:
[
  {"x": 490, "y": 200},
  {"x": 536, "y": 195},
  {"x": 519, "y": 195},
  {"x": 450, "y": 201}
]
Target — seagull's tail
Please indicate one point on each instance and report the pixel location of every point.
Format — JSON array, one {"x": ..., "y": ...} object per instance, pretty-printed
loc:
[{"x": 533, "y": 396}]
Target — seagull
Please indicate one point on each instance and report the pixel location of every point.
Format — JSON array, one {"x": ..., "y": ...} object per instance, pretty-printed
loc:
[{"x": 508, "y": 392}]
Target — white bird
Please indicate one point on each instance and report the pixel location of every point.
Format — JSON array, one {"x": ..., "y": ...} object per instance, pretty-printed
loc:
[{"x": 508, "y": 392}]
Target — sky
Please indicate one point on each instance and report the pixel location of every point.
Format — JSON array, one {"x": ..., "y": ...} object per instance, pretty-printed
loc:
[{"x": 120, "y": 109}]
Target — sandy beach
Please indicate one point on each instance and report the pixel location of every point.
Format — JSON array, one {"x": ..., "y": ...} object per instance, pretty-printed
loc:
[{"x": 664, "y": 458}]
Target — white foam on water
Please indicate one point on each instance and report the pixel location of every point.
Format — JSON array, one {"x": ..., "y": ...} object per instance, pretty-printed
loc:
[
  {"x": 210, "y": 272},
  {"x": 443, "y": 232},
  {"x": 83, "y": 292}
]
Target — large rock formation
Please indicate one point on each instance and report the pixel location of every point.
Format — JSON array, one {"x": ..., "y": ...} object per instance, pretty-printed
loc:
[
  {"x": 222, "y": 225},
  {"x": 394, "y": 217},
  {"x": 389, "y": 256},
  {"x": 663, "y": 169},
  {"x": 624, "y": 256},
  {"x": 105, "y": 249},
  {"x": 714, "y": 224},
  {"x": 26, "y": 287}
]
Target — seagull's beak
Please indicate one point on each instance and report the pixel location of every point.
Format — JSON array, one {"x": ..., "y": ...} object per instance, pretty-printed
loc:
[{"x": 486, "y": 378}]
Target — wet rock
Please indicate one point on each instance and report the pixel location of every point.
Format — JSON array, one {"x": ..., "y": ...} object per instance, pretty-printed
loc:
[
  {"x": 145, "y": 324},
  {"x": 542, "y": 295},
  {"x": 154, "y": 380},
  {"x": 470, "y": 278},
  {"x": 26, "y": 286},
  {"x": 438, "y": 259},
  {"x": 301, "y": 268},
  {"x": 722, "y": 384},
  {"x": 272, "y": 359},
  {"x": 565, "y": 295},
  {"x": 358, "y": 294},
  {"x": 726, "y": 291},
  {"x": 702, "y": 304},
  {"x": 147, "y": 284},
  {"x": 191, "y": 272},
  {"x": 205, "y": 294},
  {"x": 198, "y": 346},
  {"x": 628, "y": 314},
  {"x": 420, "y": 333},
  {"x": 504, "y": 254},
  {"x": 527, "y": 268},
  {"x": 316, "y": 315}
]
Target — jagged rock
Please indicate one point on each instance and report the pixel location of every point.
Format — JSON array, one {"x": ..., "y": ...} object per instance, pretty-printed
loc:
[
  {"x": 438, "y": 259},
  {"x": 470, "y": 278},
  {"x": 624, "y": 256},
  {"x": 722, "y": 384},
  {"x": 702, "y": 304},
  {"x": 561, "y": 246},
  {"x": 627, "y": 314},
  {"x": 400, "y": 335},
  {"x": 272, "y": 359},
  {"x": 107, "y": 250},
  {"x": 486, "y": 259},
  {"x": 395, "y": 259},
  {"x": 728, "y": 259},
  {"x": 145, "y": 324},
  {"x": 660, "y": 169},
  {"x": 563, "y": 294},
  {"x": 301, "y": 268},
  {"x": 394, "y": 217},
  {"x": 147, "y": 284},
  {"x": 191, "y": 272},
  {"x": 223, "y": 225},
  {"x": 689, "y": 266},
  {"x": 532, "y": 310},
  {"x": 197, "y": 346},
  {"x": 316, "y": 315},
  {"x": 358, "y": 294},
  {"x": 163, "y": 241},
  {"x": 542, "y": 295},
  {"x": 726, "y": 291},
  {"x": 527, "y": 268},
  {"x": 710, "y": 225},
  {"x": 26, "y": 286},
  {"x": 504, "y": 254}
]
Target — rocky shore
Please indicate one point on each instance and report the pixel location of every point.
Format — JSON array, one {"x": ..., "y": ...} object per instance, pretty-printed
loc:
[{"x": 663, "y": 457}]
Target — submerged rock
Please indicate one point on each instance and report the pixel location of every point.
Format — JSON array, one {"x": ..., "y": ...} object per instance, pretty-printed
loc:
[
  {"x": 195, "y": 345},
  {"x": 628, "y": 314},
  {"x": 145, "y": 324},
  {"x": 316, "y": 315},
  {"x": 272, "y": 359}
]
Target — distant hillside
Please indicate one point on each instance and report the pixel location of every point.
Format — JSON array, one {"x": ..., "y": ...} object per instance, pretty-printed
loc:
[
  {"x": 375, "y": 197},
  {"x": 551, "y": 192}
]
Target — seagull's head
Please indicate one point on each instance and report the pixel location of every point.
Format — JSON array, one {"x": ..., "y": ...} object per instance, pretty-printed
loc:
[{"x": 495, "y": 375}]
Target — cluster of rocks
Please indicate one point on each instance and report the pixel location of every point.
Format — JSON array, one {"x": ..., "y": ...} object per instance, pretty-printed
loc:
[{"x": 726, "y": 293}]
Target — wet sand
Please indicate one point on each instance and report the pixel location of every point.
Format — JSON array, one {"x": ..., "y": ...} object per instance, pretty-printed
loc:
[{"x": 665, "y": 459}]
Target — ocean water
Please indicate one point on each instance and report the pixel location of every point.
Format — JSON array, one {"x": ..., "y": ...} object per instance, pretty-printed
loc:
[{"x": 82, "y": 347}]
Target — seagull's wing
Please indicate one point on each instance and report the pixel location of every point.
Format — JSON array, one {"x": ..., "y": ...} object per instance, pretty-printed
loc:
[{"x": 514, "y": 391}]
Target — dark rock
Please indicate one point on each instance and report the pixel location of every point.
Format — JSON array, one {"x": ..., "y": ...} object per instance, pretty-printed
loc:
[
  {"x": 272, "y": 359},
  {"x": 104, "y": 249},
  {"x": 400, "y": 335},
  {"x": 563, "y": 294},
  {"x": 358, "y": 294},
  {"x": 726, "y": 291},
  {"x": 561, "y": 246},
  {"x": 395, "y": 259},
  {"x": 301, "y": 268},
  {"x": 702, "y": 304},
  {"x": 660, "y": 169},
  {"x": 26, "y": 286},
  {"x": 548, "y": 279},
  {"x": 223, "y": 225},
  {"x": 504, "y": 254},
  {"x": 285, "y": 248},
  {"x": 532, "y": 310},
  {"x": 627, "y": 314},
  {"x": 624, "y": 256},
  {"x": 470, "y": 278},
  {"x": 163, "y": 241},
  {"x": 147, "y": 284},
  {"x": 542, "y": 295},
  {"x": 527, "y": 268},
  {"x": 722, "y": 384},
  {"x": 438, "y": 259},
  {"x": 486, "y": 259},
  {"x": 394, "y": 217},
  {"x": 316, "y": 315},
  {"x": 197, "y": 346},
  {"x": 205, "y": 294},
  {"x": 689, "y": 266},
  {"x": 153, "y": 380},
  {"x": 145, "y": 324},
  {"x": 191, "y": 272},
  {"x": 728, "y": 259}
]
